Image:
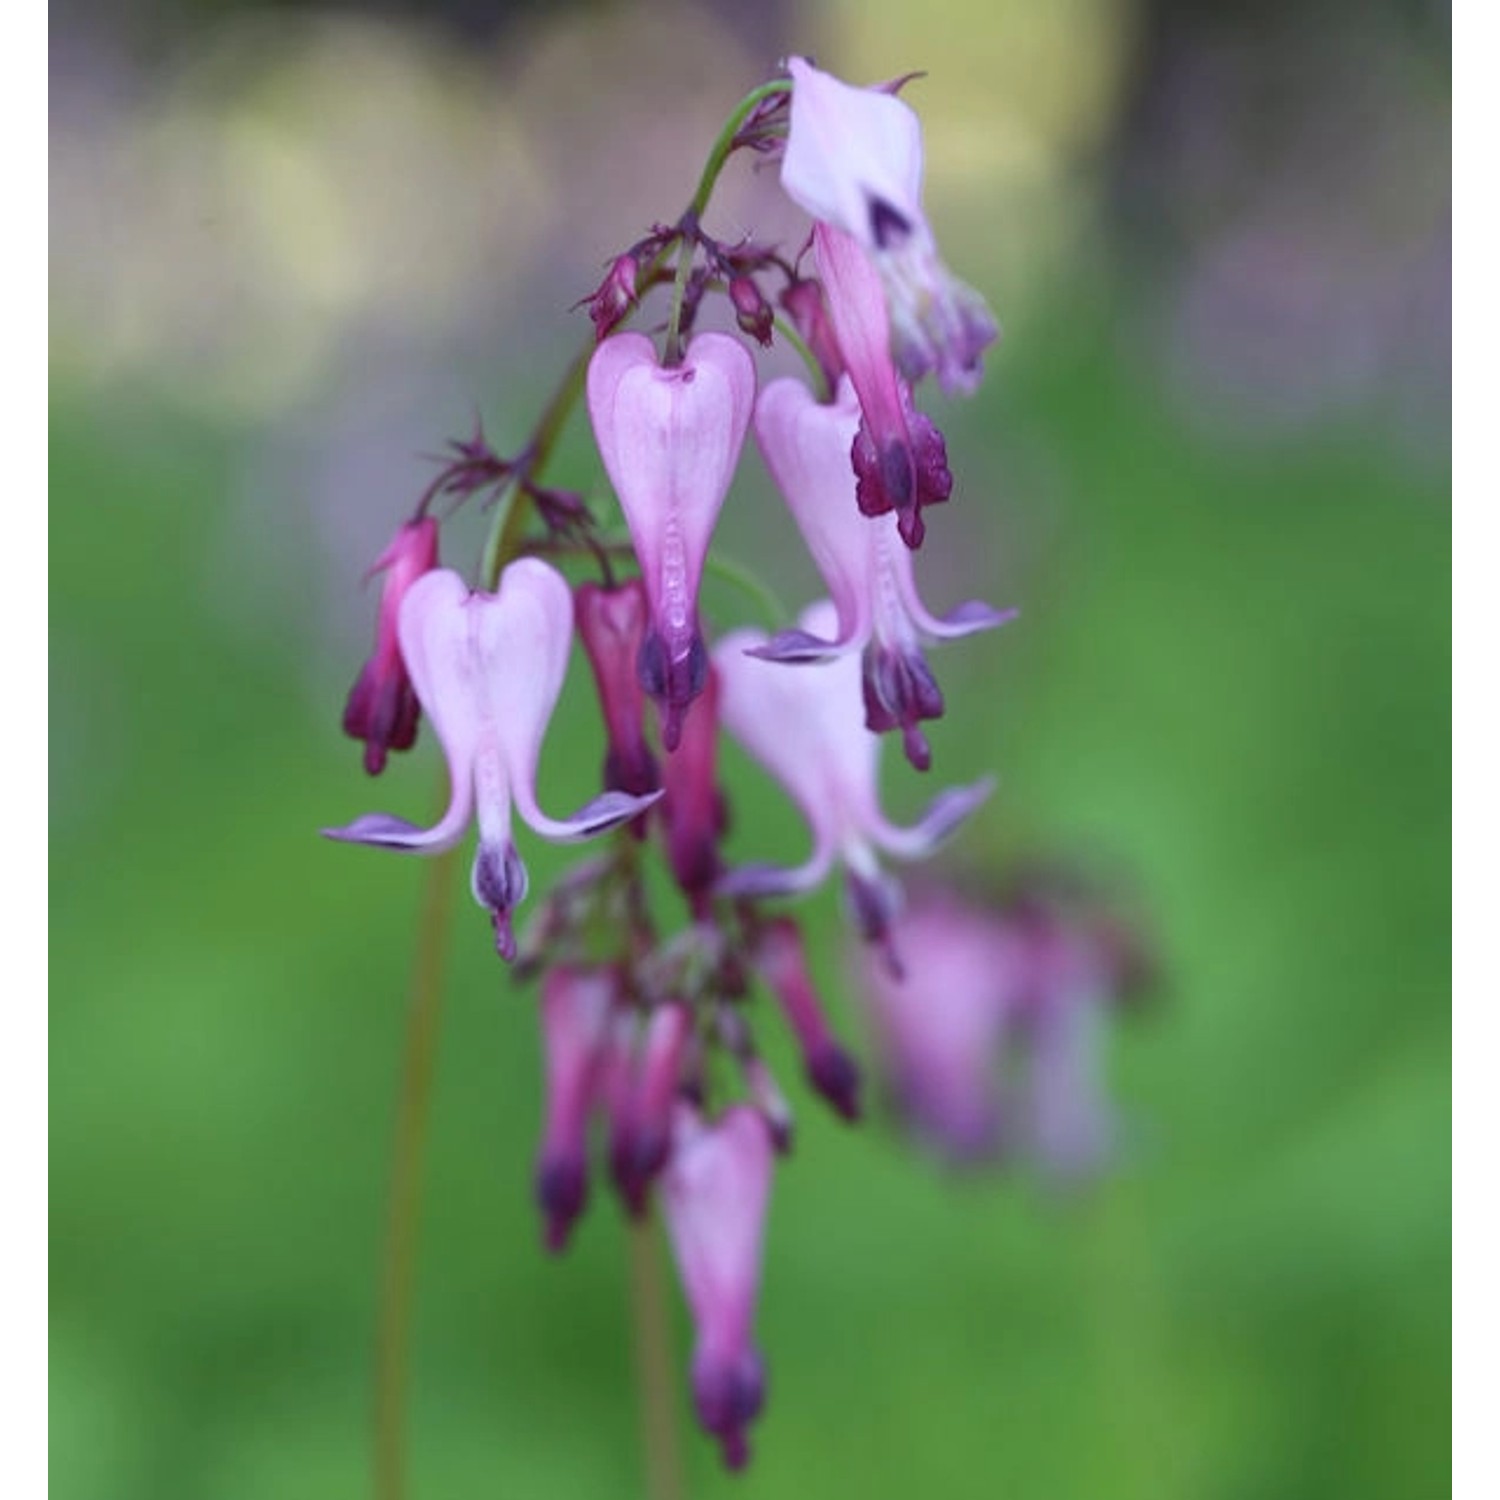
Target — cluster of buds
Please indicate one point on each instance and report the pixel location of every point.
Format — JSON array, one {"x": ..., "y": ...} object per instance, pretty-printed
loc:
[{"x": 634, "y": 1013}]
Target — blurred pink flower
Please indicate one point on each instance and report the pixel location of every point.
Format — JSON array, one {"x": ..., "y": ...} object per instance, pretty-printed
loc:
[
  {"x": 715, "y": 1191},
  {"x": 853, "y": 160}
]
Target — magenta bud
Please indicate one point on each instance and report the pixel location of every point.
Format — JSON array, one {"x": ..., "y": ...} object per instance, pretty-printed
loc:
[
  {"x": 382, "y": 709},
  {"x": 612, "y": 623},
  {"x": 782, "y": 963},
  {"x": 576, "y": 1009},
  {"x": 640, "y": 1138},
  {"x": 804, "y": 304},
  {"x": 751, "y": 310},
  {"x": 693, "y": 809},
  {"x": 615, "y": 297}
]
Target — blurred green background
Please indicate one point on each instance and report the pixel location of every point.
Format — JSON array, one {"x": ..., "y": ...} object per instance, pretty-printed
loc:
[{"x": 1209, "y": 462}]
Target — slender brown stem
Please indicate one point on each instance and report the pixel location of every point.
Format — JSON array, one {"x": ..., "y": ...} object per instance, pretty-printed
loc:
[
  {"x": 393, "y": 1336},
  {"x": 655, "y": 1378}
]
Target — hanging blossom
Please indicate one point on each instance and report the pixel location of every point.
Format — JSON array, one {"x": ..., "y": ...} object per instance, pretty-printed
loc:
[
  {"x": 715, "y": 1191},
  {"x": 805, "y": 727},
  {"x": 670, "y": 437},
  {"x": 900, "y": 460},
  {"x": 868, "y": 570},
  {"x": 991, "y": 1039},
  {"x": 487, "y": 669},
  {"x": 853, "y": 160},
  {"x": 382, "y": 709}
]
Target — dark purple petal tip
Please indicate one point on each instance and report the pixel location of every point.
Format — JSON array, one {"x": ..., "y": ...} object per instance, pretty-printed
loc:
[
  {"x": 794, "y": 646},
  {"x": 729, "y": 1396},
  {"x": 562, "y": 1190},
  {"x": 836, "y": 1077}
]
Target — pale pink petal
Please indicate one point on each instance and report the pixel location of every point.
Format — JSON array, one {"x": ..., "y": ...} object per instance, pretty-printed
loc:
[
  {"x": 526, "y": 636},
  {"x": 943, "y": 816},
  {"x": 670, "y": 438},
  {"x": 852, "y": 155},
  {"x": 806, "y": 446},
  {"x": 715, "y": 1190}
]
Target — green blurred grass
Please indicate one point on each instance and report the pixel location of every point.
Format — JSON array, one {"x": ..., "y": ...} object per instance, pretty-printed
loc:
[{"x": 1231, "y": 678}]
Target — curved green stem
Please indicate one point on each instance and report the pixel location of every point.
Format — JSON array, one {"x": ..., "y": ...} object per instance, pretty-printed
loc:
[
  {"x": 724, "y": 143},
  {"x": 814, "y": 367}
]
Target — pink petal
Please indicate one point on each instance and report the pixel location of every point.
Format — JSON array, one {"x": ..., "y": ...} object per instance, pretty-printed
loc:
[
  {"x": 806, "y": 447},
  {"x": 851, "y": 154}
]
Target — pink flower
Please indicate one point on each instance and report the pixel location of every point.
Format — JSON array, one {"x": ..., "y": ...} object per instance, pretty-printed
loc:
[
  {"x": 854, "y": 161},
  {"x": 715, "y": 1191},
  {"x": 576, "y": 1011},
  {"x": 991, "y": 1037},
  {"x": 487, "y": 669},
  {"x": 867, "y": 569},
  {"x": 899, "y": 457},
  {"x": 805, "y": 727},
  {"x": 940, "y": 1024},
  {"x": 670, "y": 438},
  {"x": 382, "y": 708}
]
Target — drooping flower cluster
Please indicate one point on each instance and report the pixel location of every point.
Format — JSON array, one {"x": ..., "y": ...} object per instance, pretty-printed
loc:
[
  {"x": 650, "y": 1056},
  {"x": 990, "y": 1040}
]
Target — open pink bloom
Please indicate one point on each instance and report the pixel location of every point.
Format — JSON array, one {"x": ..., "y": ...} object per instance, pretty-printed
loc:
[
  {"x": 805, "y": 727},
  {"x": 868, "y": 571},
  {"x": 382, "y": 709},
  {"x": 899, "y": 457},
  {"x": 670, "y": 438},
  {"x": 487, "y": 669},
  {"x": 853, "y": 160},
  {"x": 715, "y": 1189},
  {"x": 576, "y": 1011}
]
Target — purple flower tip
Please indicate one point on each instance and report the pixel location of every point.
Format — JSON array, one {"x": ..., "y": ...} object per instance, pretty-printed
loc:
[
  {"x": 729, "y": 1396},
  {"x": 562, "y": 1190},
  {"x": 835, "y": 1075},
  {"x": 674, "y": 681}
]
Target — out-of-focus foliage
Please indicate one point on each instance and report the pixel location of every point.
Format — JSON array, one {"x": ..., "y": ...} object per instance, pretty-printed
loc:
[{"x": 1230, "y": 679}]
